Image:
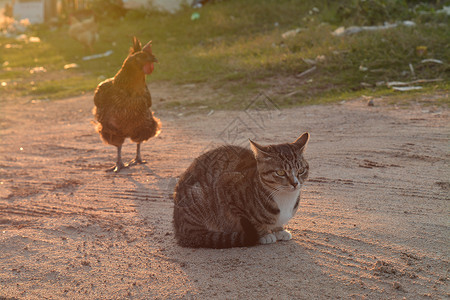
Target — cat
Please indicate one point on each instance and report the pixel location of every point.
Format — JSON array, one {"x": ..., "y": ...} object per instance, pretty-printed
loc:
[{"x": 235, "y": 197}]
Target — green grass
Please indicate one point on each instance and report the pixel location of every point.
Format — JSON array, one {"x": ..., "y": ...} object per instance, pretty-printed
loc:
[
  {"x": 237, "y": 48},
  {"x": 64, "y": 87}
]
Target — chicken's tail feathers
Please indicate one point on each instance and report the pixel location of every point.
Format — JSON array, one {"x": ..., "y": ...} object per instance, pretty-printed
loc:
[{"x": 158, "y": 125}]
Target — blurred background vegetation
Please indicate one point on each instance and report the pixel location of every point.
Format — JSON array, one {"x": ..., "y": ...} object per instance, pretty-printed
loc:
[{"x": 239, "y": 48}]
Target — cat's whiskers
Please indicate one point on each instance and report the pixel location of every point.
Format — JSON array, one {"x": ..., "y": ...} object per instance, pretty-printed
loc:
[{"x": 275, "y": 191}]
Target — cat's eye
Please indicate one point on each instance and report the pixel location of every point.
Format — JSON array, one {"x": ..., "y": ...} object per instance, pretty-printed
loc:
[
  {"x": 301, "y": 172},
  {"x": 281, "y": 173}
]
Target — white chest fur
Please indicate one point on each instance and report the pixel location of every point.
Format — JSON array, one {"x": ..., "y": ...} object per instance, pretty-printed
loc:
[{"x": 286, "y": 202}]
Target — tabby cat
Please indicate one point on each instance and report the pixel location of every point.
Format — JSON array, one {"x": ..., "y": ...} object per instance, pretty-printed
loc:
[{"x": 234, "y": 197}]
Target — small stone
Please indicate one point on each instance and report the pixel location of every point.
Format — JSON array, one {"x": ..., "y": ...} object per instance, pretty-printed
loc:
[{"x": 370, "y": 102}]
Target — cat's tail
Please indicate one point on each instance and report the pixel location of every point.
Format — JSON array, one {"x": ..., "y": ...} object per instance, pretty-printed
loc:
[{"x": 203, "y": 238}]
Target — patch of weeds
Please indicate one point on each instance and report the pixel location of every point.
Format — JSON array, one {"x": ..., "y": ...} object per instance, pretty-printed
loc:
[
  {"x": 430, "y": 94},
  {"x": 11, "y": 74},
  {"x": 29, "y": 55},
  {"x": 237, "y": 48},
  {"x": 372, "y": 12},
  {"x": 54, "y": 89}
]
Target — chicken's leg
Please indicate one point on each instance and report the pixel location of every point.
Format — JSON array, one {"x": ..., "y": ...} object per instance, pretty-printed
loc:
[
  {"x": 119, "y": 164},
  {"x": 138, "y": 159}
]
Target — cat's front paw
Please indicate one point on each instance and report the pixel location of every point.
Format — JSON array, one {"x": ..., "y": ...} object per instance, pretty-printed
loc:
[
  {"x": 268, "y": 239},
  {"x": 283, "y": 235}
]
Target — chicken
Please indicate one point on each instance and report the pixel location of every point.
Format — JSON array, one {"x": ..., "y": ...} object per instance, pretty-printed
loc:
[
  {"x": 84, "y": 31},
  {"x": 122, "y": 104}
]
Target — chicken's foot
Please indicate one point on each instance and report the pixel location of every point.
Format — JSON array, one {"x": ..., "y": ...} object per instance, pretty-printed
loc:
[
  {"x": 119, "y": 164},
  {"x": 138, "y": 159}
]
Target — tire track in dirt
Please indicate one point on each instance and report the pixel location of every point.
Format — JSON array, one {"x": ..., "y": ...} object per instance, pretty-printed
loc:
[{"x": 345, "y": 263}]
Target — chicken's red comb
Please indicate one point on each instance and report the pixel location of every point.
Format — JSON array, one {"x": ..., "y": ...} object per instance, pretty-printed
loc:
[{"x": 148, "y": 47}]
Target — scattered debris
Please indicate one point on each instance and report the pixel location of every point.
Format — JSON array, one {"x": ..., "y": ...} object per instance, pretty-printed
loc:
[
  {"x": 356, "y": 29},
  {"x": 370, "y": 102},
  {"x": 197, "y": 4},
  {"x": 314, "y": 10},
  {"x": 95, "y": 56},
  {"x": 397, "y": 83},
  {"x": 432, "y": 60},
  {"x": 321, "y": 58},
  {"x": 38, "y": 70},
  {"x": 363, "y": 69},
  {"x": 421, "y": 51},
  {"x": 411, "y": 68},
  {"x": 22, "y": 37},
  {"x": 306, "y": 72},
  {"x": 71, "y": 66},
  {"x": 26, "y": 39},
  {"x": 34, "y": 39},
  {"x": 401, "y": 83},
  {"x": 195, "y": 16},
  {"x": 444, "y": 10},
  {"x": 291, "y": 33},
  {"x": 36, "y": 101},
  {"x": 309, "y": 61},
  {"x": 13, "y": 46},
  {"x": 13, "y": 27},
  {"x": 406, "y": 88},
  {"x": 378, "y": 70},
  {"x": 291, "y": 94},
  {"x": 408, "y": 23}
]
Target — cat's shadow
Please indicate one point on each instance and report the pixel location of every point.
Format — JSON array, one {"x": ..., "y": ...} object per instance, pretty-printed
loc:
[{"x": 251, "y": 268}]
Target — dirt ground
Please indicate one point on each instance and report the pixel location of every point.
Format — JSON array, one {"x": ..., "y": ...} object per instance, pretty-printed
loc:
[{"x": 373, "y": 221}]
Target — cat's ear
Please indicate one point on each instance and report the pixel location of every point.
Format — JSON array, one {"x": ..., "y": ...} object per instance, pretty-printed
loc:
[
  {"x": 258, "y": 150},
  {"x": 301, "y": 142}
]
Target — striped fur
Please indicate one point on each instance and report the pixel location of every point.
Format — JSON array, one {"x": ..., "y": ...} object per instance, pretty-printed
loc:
[{"x": 231, "y": 196}]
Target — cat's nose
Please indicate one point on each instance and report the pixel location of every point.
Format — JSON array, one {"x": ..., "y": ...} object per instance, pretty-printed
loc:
[{"x": 295, "y": 184}]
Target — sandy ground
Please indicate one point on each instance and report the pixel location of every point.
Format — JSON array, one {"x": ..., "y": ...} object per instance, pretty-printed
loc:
[{"x": 373, "y": 221}]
